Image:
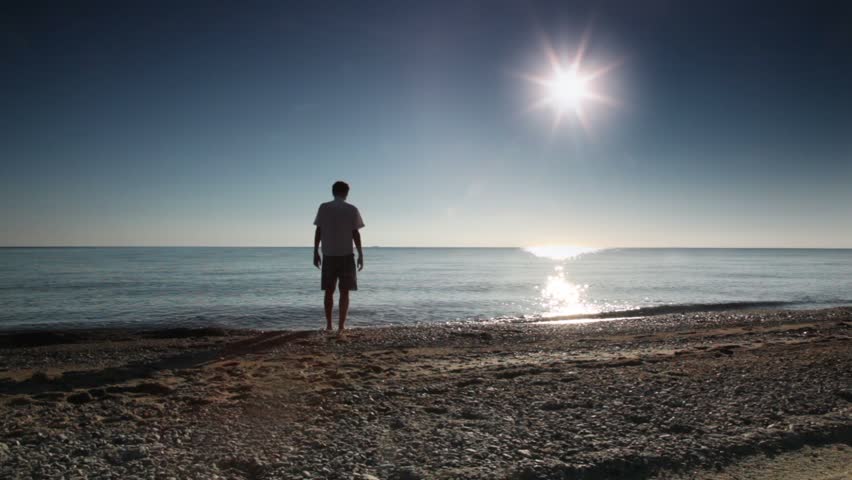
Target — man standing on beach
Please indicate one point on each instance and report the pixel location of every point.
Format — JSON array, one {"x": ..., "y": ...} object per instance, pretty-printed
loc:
[{"x": 337, "y": 225}]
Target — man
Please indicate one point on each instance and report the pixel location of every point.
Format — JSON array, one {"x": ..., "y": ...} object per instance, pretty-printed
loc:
[{"x": 337, "y": 227}]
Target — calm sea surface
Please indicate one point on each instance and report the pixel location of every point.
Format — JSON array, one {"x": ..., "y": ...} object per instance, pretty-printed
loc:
[{"x": 279, "y": 287}]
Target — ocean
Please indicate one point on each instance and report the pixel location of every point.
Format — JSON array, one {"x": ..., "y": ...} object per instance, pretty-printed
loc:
[{"x": 278, "y": 288}]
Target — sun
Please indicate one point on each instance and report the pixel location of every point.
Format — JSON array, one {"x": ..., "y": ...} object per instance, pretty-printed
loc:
[
  {"x": 568, "y": 90},
  {"x": 569, "y": 86}
]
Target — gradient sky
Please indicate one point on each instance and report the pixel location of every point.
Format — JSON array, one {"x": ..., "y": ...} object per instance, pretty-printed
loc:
[{"x": 225, "y": 123}]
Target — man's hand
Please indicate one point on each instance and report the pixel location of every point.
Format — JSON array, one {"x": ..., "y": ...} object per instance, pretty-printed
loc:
[
  {"x": 317, "y": 238},
  {"x": 356, "y": 237}
]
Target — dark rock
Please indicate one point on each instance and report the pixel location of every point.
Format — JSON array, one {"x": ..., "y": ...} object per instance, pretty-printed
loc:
[
  {"x": 471, "y": 381},
  {"x": 20, "y": 401},
  {"x": 98, "y": 393},
  {"x": 406, "y": 473},
  {"x": 248, "y": 467},
  {"x": 134, "y": 453},
  {"x": 638, "y": 419},
  {"x": 471, "y": 414},
  {"x": 679, "y": 428},
  {"x": 153, "y": 388},
  {"x": 79, "y": 398},
  {"x": 553, "y": 405},
  {"x": 50, "y": 396}
]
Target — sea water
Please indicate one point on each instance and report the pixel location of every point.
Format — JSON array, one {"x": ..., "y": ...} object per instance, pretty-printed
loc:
[{"x": 279, "y": 288}]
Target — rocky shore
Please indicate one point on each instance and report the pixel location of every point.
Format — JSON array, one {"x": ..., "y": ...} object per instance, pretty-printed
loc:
[{"x": 670, "y": 396}]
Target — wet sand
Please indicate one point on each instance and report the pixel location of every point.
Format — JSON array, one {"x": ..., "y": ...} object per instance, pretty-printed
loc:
[{"x": 697, "y": 395}]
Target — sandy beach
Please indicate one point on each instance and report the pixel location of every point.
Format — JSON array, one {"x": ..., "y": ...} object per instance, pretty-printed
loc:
[{"x": 755, "y": 394}]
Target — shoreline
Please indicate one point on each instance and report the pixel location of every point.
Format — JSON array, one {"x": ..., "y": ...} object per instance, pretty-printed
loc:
[
  {"x": 653, "y": 397},
  {"x": 646, "y": 318},
  {"x": 100, "y": 329}
]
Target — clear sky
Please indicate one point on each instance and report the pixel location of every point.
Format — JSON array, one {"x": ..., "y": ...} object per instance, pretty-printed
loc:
[{"x": 225, "y": 123}]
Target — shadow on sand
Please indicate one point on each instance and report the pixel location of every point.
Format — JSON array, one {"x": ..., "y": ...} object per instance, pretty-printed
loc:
[{"x": 40, "y": 382}]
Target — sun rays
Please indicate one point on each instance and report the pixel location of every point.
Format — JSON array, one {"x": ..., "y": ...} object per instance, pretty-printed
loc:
[{"x": 569, "y": 85}]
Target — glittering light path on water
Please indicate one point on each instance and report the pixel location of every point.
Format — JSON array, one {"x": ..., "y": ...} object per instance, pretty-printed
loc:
[{"x": 559, "y": 296}]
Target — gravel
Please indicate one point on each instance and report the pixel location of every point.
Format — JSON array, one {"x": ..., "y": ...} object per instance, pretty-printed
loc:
[{"x": 623, "y": 398}]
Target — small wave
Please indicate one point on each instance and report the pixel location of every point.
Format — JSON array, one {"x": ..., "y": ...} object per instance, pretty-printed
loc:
[{"x": 680, "y": 308}]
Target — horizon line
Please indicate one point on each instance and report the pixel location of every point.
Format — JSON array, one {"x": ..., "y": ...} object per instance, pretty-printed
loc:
[{"x": 426, "y": 247}]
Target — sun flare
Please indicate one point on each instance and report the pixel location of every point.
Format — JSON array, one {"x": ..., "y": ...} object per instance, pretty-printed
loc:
[{"x": 569, "y": 86}]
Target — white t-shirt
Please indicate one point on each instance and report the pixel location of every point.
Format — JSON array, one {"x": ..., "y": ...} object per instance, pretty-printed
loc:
[{"x": 336, "y": 220}]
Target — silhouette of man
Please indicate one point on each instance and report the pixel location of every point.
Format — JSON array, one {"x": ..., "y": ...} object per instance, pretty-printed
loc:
[{"x": 337, "y": 227}]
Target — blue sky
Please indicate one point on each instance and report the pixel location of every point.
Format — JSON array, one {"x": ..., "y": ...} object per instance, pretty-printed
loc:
[{"x": 220, "y": 123}]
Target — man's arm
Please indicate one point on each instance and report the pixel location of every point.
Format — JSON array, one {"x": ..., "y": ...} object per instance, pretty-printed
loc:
[
  {"x": 357, "y": 237},
  {"x": 317, "y": 259}
]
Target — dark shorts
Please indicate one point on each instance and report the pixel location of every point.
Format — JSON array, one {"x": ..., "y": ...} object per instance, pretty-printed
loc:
[{"x": 339, "y": 270}]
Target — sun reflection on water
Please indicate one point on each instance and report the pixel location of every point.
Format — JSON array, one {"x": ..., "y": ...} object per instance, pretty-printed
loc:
[{"x": 559, "y": 296}]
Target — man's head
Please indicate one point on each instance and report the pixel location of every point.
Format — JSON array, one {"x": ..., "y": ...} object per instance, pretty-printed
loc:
[{"x": 340, "y": 189}]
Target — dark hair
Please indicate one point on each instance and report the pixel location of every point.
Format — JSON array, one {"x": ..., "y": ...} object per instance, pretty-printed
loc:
[{"x": 340, "y": 188}]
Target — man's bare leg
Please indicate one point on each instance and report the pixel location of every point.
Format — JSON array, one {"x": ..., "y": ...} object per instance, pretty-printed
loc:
[
  {"x": 344, "y": 307},
  {"x": 329, "y": 307}
]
